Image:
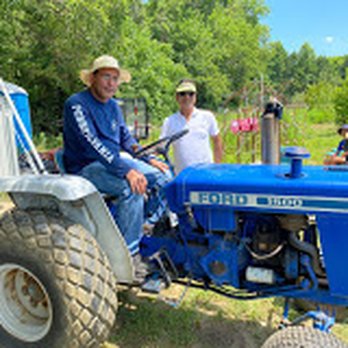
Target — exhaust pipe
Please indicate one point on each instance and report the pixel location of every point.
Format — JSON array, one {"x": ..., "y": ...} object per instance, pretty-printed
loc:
[{"x": 270, "y": 132}]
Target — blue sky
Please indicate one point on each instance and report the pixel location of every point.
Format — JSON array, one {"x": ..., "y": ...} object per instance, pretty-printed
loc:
[{"x": 321, "y": 23}]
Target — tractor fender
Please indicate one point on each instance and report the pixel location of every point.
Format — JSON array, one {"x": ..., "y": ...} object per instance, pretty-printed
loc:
[{"x": 77, "y": 199}]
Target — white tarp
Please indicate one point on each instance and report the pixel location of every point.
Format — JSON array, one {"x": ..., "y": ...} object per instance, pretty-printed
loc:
[{"x": 8, "y": 150}]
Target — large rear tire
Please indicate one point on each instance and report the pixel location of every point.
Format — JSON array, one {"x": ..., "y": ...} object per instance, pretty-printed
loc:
[
  {"x": 302, "y": 337},
  {"x": 57, "y": 289}
]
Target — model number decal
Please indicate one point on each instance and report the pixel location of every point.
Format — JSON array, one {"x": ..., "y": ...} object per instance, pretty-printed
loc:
[
  {"x": 233, "y": 199},
  {"x": 284, "y": 202}
]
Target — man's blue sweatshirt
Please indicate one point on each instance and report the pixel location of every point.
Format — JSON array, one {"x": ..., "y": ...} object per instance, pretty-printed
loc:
[{"x": 95, "y": 131}]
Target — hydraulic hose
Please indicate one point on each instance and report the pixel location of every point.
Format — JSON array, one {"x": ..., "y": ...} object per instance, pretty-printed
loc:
[{"x": 308, "y": 249}]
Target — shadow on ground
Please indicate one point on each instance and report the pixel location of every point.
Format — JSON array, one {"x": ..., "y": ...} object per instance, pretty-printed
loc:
[{"x": 147, "y": 322}]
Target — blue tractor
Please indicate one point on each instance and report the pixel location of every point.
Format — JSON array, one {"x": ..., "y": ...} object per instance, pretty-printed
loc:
[{"x": 243, "y": 231}]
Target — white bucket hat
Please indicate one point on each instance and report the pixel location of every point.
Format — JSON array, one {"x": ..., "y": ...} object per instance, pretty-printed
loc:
[{"x": 101, "y": 62}]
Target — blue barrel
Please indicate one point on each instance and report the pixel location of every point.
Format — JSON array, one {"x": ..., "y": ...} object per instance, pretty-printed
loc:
[{"x": 20, "y": 99}]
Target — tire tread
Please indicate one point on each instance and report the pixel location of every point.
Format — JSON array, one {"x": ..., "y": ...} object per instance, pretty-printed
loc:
[
  {"x": 303, "y": 337},
  {"x": 81, "y": 270}
]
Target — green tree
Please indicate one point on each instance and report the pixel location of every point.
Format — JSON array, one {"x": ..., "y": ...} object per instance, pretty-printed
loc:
[
  {"x": 218, "y": 42},
  {"x": 51, "y": 41},
  {"x": 221, "y": 44},
  {"x": 152, "y": 68},
  {"x": 302, "y": 69},
  {"x": 238, "y": 40},
  {"x": 320, "y": 99},
  {"x": 340, "y": 64},
  {"x": 341, "y": 103},
  {"x": 277, "y": 65},
  {"x": 327, "y": 71}
]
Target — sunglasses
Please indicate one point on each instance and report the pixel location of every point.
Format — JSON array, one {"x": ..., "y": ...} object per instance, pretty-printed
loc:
[{"x": 190, "y": 94}]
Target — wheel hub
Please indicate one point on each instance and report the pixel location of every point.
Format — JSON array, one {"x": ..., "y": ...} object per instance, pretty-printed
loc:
[{"x": 25, "y": 307}]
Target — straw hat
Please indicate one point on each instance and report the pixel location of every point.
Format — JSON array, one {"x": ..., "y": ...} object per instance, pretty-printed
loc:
[{"x": 101, "y": 62}]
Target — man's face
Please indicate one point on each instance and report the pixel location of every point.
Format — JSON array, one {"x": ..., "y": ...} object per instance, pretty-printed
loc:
[
  {"x": 186, "y": 100},
  {"x": 104, "y": 83}
]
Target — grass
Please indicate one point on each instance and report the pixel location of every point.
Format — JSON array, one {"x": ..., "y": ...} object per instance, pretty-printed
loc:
[
  {"x": 320, "y": 139},
  {"x": 3, "y": 196},
  {"x": 204, "y": 320}
]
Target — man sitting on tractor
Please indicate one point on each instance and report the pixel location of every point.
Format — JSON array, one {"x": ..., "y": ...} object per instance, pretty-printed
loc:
[{"x": 94, "y": 135}]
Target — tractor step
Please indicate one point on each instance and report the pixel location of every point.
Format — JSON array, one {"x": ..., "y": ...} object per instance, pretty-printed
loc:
[
  {"x": 164, "y": 274},
  {"x": 153, "y": 285}
]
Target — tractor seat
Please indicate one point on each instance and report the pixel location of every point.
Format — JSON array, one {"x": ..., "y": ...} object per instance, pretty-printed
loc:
[{"x": 58, "y": 159}]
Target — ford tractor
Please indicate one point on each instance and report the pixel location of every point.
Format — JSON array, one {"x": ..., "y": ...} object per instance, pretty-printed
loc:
[{"x": 242, "y": 231}]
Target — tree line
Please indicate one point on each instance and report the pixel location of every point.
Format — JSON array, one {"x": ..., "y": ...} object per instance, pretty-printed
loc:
[{"x": 221, "y": 44}]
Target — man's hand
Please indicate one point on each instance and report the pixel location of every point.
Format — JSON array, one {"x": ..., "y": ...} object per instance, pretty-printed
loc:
[
  {"x": 159, "y": 165},
  {"x": 137, "y": 181}
]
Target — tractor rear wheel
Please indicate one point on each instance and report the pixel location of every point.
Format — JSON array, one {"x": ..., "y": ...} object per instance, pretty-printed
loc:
[
  {"x": 56, "y": 285},
  {"x": 302, "y": 337}
]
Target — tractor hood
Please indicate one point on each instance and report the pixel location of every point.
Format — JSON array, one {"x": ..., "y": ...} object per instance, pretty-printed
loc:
[
  {"x": 214, "y": 197},
  {"x": 216, "y": 189}
]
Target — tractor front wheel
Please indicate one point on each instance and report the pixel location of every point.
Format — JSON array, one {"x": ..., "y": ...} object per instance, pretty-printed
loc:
[
  {"x": 56, "y": 286},
  {"x": 300, "y": 336}
]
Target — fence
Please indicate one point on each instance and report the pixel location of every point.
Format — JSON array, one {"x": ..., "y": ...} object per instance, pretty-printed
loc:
[{"x": 240, "y": 131}]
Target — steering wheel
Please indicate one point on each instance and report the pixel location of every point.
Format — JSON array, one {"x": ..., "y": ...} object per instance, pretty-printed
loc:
[{"x": 160, "y": 146}]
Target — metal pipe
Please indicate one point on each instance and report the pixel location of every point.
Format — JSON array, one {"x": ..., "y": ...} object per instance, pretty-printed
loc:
[{"x": 270, "y": 133}]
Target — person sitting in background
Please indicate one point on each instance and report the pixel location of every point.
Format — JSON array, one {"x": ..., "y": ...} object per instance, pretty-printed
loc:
[
  {"x": 194, "y": 147},
  {"x": 341, "y": 154}
]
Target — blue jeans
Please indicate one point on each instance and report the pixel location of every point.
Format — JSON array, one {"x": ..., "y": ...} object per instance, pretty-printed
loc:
[{"x": 130, "y": 209}]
